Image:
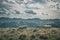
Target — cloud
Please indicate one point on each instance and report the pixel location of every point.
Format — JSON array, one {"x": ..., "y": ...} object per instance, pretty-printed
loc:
[
  {"x": 42, "y": 9},
  {"x": 30, "y": 12},
  {"x": 35, "y": 5},
  {"x": 39, "y": 1},
  {"x": 56, "y": 1},
  {"x": 17, "y": 12}
]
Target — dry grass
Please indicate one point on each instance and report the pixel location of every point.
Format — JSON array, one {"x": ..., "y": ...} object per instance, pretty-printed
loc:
[{"x": 29, "y": 33}]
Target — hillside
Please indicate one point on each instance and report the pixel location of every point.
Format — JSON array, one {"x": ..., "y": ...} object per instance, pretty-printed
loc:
[{"x": 25, "y": 33}]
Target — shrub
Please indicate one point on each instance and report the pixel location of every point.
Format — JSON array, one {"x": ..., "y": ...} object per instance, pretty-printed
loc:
[
  {"x": 22, "y": 37},
  {"x": 32, "y": 37},
  {"x": 1, "y": 39},
  {"x": 43, "y": 37},
  {"x": 12, "y": 31},
  {"x": 10, "y": 38},
  {"x": 37, "y": 35},
  {"x": 34, "y": 30},
  {"x": 52, "y": 36},
  {"x": 22, "y": 28},
  {"x": 6, "y": 36},
  {"x": 58, "y": 39},
  {"x": 54, "y": 31}
]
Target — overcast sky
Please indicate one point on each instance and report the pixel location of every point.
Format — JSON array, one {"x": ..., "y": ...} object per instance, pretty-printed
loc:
[{"x": 43, "y": 9}]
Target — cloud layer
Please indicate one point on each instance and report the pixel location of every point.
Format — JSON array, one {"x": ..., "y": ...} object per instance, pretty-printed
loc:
[{"x": 43, "y": 9}]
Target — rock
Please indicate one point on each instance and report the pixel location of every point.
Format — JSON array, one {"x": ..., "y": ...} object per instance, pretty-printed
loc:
[{"x": 47, "y": 26}]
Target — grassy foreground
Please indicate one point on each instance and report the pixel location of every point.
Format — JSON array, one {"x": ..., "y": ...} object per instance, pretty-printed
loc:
[{"x": 25, "y": 33}]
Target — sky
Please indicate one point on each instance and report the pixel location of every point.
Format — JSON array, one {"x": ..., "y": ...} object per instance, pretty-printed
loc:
[{"x": 43, "y": 9}]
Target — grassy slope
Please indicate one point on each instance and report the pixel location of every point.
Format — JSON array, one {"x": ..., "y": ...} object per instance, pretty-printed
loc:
[{"x": 29, "y": 33}]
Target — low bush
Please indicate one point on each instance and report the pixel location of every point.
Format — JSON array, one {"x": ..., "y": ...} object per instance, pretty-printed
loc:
[
  {"x": 32, "y": 37},
  {"x": 22, "y": 37}
]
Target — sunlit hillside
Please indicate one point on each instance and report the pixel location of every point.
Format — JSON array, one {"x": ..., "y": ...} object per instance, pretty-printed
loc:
[{"x": 24, "y": 33}]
